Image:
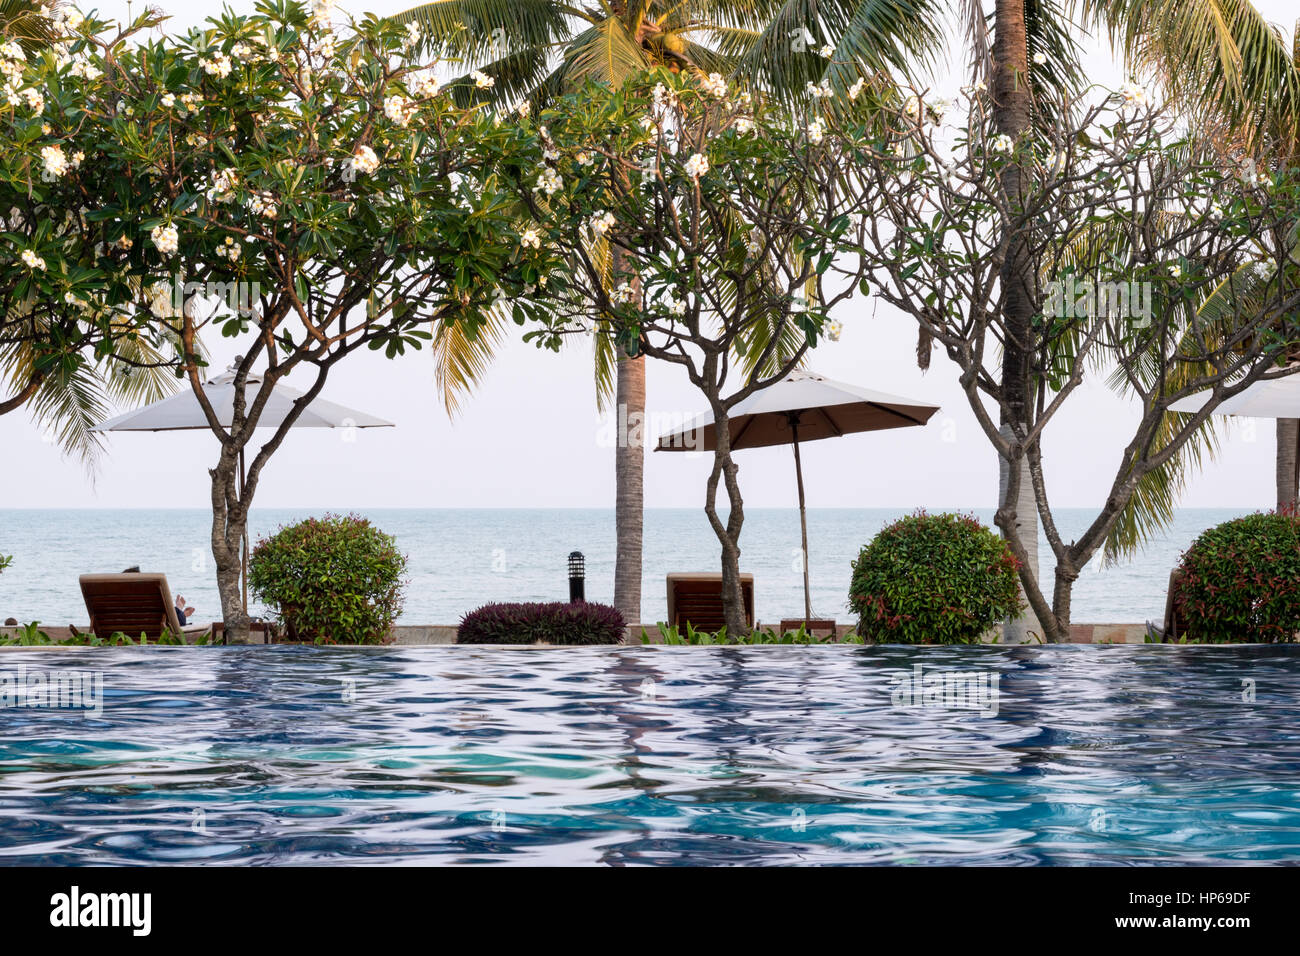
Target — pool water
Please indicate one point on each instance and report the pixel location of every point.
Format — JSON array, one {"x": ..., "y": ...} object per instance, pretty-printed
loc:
[{"x": 670, "y": 755}]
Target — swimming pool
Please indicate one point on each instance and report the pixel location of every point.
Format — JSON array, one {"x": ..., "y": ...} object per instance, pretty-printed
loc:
[{"x": 670, "y": 755}]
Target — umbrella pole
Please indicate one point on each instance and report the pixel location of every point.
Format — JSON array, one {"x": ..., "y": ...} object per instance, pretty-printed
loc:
[
  {"x": 803, "y": 517},
  {"x": 243, "y": 561}
]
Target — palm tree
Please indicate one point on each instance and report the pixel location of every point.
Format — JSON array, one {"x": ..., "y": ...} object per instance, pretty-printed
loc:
[{"x": 535, "y": 50}]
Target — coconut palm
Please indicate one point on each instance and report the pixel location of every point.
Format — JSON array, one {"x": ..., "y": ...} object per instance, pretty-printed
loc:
[{"x": 535, "y": 50}]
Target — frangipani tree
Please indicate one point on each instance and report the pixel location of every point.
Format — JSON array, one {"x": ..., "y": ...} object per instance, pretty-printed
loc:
[
  {"x": 302, "y": 184},
  {"x": 730, "y": 215},
  {"x": 58, "y": 364},
  {"x": 528, "y": 53},
  {"x": 1175, "y": 225}
]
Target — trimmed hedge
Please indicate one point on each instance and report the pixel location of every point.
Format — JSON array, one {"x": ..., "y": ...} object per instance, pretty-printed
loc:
[
  {"x": 335, "y": 580},
  {"x": 1240, "y": 581},
  {"x": 553, "y": 623},
  {"x": 933, "y": 579}
]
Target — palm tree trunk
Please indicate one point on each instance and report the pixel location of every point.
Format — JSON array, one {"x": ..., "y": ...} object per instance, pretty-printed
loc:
[
  {"x": 1011, "y": 116},
  {"x": 629, "y": 486},
  {"x": 1288, "y": 438}
]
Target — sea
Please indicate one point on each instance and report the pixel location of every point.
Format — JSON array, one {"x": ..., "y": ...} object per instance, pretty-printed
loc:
[{"x": 461, "y": 559}]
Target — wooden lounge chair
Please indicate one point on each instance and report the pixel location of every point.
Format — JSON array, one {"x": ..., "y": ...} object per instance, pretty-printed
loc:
[
  {"x": 133, "y": 604},
  {"x": 696, "y": 599}
]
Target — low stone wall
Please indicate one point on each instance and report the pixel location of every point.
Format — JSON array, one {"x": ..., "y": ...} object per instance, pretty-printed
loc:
[{"x": 425, "y": 634}]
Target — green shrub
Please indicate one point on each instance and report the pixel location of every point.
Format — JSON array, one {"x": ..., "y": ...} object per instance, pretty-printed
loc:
[
  {"x": 1240, "y": 581},
  {"x": 334, "y": 580},
  {"x": 933, "y": 579}
]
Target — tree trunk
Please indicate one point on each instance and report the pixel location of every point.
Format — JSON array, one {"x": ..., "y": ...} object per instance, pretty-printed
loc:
[
  {"x": 1288, "y": 437},
  {"x": 629, "y": 486},
  {"x": 725, "y": 469},
  {"x": 1017, "y": 629},
  {"x": 1012, "y": 107},
  {"x": 229, "y": 517}
]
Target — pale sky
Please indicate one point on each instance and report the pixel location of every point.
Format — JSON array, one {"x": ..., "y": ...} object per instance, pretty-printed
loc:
[{"x": 530, "y": 437}]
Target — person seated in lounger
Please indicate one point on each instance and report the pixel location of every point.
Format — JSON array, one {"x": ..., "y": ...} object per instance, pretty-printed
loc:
[{"x": 182, "y": 612}]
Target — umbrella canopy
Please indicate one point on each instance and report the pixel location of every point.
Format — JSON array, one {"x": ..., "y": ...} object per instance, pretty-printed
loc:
[
  {"x": 182, "y": 411},
  {"x": 1274, "y": 398},
  {"x": 824, "y": 408},
  {"x": 803, "y": 406}
]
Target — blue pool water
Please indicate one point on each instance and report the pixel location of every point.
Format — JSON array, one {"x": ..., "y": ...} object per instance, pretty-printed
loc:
[{"x": 775, "y": 755}]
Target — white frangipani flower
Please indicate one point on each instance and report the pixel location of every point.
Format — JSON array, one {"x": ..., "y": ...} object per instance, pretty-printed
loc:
[
  {"x": 364, "y": 160},
  {"x": 696, "y": 166},
  {"x": 166, "y": 238}
]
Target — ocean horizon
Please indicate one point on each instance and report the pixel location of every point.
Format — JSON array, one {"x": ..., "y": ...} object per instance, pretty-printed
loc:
[{"x": 459, "y": 559}]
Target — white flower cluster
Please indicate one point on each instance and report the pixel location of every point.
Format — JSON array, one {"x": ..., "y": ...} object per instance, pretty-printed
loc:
[
  {"x": 820, "y": 91},
  {"x": 34, "y": 99},
  {"x": 12, "y": 59},
  {"x": 531, "y": 238},
  {"x": 412, "y": 34},
  {"x": 426, "y": 85},
  {"x": 166, "y": 238},
  {"x": 601, "y": 223},
  {"x": 715, "y": 85},
  {"x": 1002, "y": 143},
  {"x": 816, "y": 130},
  {"x": 696, "y": 166},
  {"x": 65, "y": 20},
  {"x": 53, "y": 161},
  {"x": 1134, "y": 95},
  {"x": 482, "y": 80},
  {"x": 263, "y": 204},
  {"x": 625, "y": 293},
  {"x": 399, "y": 109},
  {"x": 322, "y": 12},
  {"x": 364, "y": 160},
  {"x": 744, "y": 125},
  {"x": 677, "y": 306},
  {"x": 217, "y": 65},
  {"x": 84, "y": 67},
  {"x": 224, "y": 184},
  {"x": 1040, "y": 58},
  {"x": 549, "y": 181},
  {"x": 32, "y": 261},
  {"x": 229, "y": 249},
  {"x": 662, "y": 96},
  {"x": 856, "y": 89}
]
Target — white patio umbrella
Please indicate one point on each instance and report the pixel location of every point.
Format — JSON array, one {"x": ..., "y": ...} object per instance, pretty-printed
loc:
[
  {"x": 803, "y": 406},
  {"x": 1273, "y": 398},
  {"x": 182, "y": 412}
]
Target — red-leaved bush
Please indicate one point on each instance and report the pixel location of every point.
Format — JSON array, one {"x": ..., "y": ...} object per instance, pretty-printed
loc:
[{"x": 554, "y": 623}]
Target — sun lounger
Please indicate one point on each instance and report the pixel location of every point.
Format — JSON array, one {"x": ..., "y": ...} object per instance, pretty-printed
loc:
[
  {"x": 133, "y": 604},
  {"x": 697, "y": 599}
]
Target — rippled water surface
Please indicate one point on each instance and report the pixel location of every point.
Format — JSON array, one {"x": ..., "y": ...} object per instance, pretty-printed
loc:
[{"x": 773, "y": 755}]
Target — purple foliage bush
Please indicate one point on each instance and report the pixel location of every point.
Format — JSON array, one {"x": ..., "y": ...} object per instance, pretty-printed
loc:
[{"x": 553, "y": 623}]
